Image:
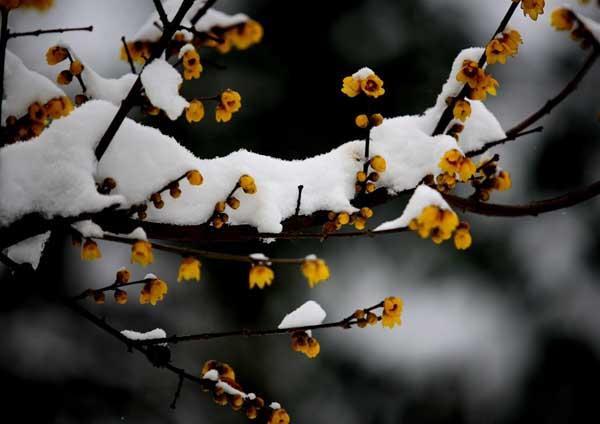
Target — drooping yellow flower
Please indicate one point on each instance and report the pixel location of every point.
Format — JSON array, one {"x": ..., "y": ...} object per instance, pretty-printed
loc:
[
  {"x": 153, "y": 292},
  {"x": 392, "y": 312},
  {"x": 123, "y": 276},
  {"x": 141, "y": 253},
  {"x": 315, "y": 270},
  {"x": 247, "y": 34},
  {"x": 462, "y": 237},
  {"x": 56, "y": 54},
  {"x": 502, "y": 181},
  {"x": 361, "y": 121},
  {"x": 378, "y": 163},
  {"x": 279, "y": 416},
  {"x": 372, "y": 86},
  {"x": 350, "y": 87},
  {"x": 195, "y": 111},
  {"x": 120, "y": 296},
  {"x": 533, "y": 8},
  {"x": 302, "y": 342},
  {"x": 189, "y": 269},
  {"x": 260, "y": 275},
  {"x": 470, "y": 73},
  {"x": 194, "y": 177},
  {"x": 90, "y": 251},
  {"x": 453, "y": 162},
  {"x": 462, "y": 110},
  {"x": 497, "y": 51},
  {"x": 37, "y": 112},
  {"x": 229, "y": 103},
  {"x": 192, "y": 67},
  {"x": 247, "y": 184},
  {"x": 562, "y": 19},
  {"x": 436, "y": 223}
]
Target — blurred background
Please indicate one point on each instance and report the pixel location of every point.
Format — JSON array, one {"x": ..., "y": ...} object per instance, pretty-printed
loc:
[{"x": 506, "y": 332}]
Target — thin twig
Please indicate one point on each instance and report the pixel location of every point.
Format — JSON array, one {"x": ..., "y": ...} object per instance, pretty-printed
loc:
[
  {"x": 345, "y": 324},
  {"x": 128, "y": 54},
  {"x": 446, "y": 116},
  {"x": 39, "y": 32},
  {"x": 506, "y": 139},
  {"x": 79, "y": 78},
  {"x": 562, "y": 95},
  {"x": 177, "y": 392},
  {"x": 112, "y": 287},
  {"x": 161, "y": 12},
  {"x": 299, "y": 200}
]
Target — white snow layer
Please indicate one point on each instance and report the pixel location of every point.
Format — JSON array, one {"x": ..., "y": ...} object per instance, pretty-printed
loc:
[
  {"x": 157, "y": 333},
  {"x": 55, "y": 174},
  {"x": 29, "y": 250},
  {"x": 310, "y": 313},
  {"x": 161, "y": 82},
  {"x": 23, "y": 87},
  {"x": 423, "y": 196},
  {"x": 212, "y": 19}
]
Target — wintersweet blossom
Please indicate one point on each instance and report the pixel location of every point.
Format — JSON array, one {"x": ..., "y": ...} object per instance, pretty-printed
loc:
[
  {"x": 194, "y": 177},
  {"x": 189, "y": 269},
  {"x": 315, "y": 270},
  {"x": 141, "y": 253},
  {"x": 195, "y": 111},
  {"x": 454, "y": 162},
  {"x": 302, "y": 342},
  {"x": 392, "y": 312},
  {"x": 279, "y": 416},
  {"x": 260, "y": 275},
  {"x": 462, "y": 236},
  {"x": 462, "y": 110},
  {"x": 532, "y": 8},
  {"x": 192, "y": 67},
  {"x": 153, "y": 291},
  {"x": 90, "y": 251},
  {"x": 436, "y": 223}
]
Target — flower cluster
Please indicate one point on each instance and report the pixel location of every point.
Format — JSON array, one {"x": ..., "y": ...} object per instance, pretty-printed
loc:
[
  {"x": 563, "y": 19},
  {"x": 58, "y": 54},
  {"x": 437, "y": 223},
  {"x": 532, "y": 8},
  {"x": 303, "y": 342},
  {"x": 194, "y": 178},
  {"x": 364, "y": 81},
  {"x": 240, "y": 36},
  {"x": 337, "y": 220},
  {"x": 230, "y": 102},
  {"x": 153, "y": 291},
  {"x": 122, "y": 277},
  {"x": 219, "y": 217},
  {"x": 365, "y": 179},
  {"x": 502, "y": 46},
  {"x": 315, "y": 270},
  {"x": 36, "y": 4},
  {"x": 490, "y": 177},
  {"x": 454, "y": 162},
  {"x": 190, "y": 268},
  {"x": 140, "y": 51},
  {"x": 38, "y": 117},
  {"x": 391, "y": 314},
  {"x": 480, "y": 82}
]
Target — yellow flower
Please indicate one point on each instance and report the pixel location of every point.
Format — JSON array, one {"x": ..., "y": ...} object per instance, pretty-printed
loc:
[
  {"x": 392, "y": 312},
  {"x": 192, "y": 68},
  {"x": 302, "y": 342},
  {"x": 231, "y": 100},
  {"x": 376, "y": 119},
  {"x": 189, "y": 269},
  {"x": 37, "y": 4},
  {"x": 462, "y": 237},
  {"x": 533, "y": 8},
  {"x": 120, "y": 296},
  {"x": 37, "y": 112},
  {"x": 372, "y": 86},
  {"x": 194, "y": 177},
  {"x": 260, "y": 275},
  {"x": 56, "y": 54},
  {"x": 314, "y": 270},
  {"x": 378, "y": 163},
  {"x": 123, "y": 276},
  {"x": 502, "y": 181},
  {"x": 454, "y": 162},
  {"x": 76, "y": 67},
  {"x": 247, "y": 184},
  {"x": 58, "y": 107},
  {"x": 195, "y": 111},
  {"x": 488, "y": 85},
  {"x": 90, "y": 251},
  {"x": 153, "y": 291},
  {"x": 225, "y": 370},
  {"x": 470, "y": 73},
  {"x": 65, "y": 77},
  {"x": 249, "y": 33},
  {"x": 361, "y": 121},
  {"x": 462, "y": 110},
  {"x": 512, "y": 38},
  {"x": 279, "y": 416},
  {"x": 366, "y": 212},
  {"x": 139, "y": 51},
  {"x": 497, "y": 51},
  {"x": 435, "y": 223},
  {"x": 141, "y": 253},
  {"x": 350, "y": 87},
  {"x": 222, "y": 114},
  {"x": 563, "y": 19}
]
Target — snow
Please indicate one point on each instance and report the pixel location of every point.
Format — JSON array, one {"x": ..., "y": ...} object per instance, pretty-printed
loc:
[
  {"x": 55, "y": 174},
  {"x": 29, "y": 250},
  {"x": 157, "y": 333},
  {"x": 211, "y": 375},
  {"x": 310, "y": 313},
  {"x": 88, "y": 228},
  {"x": 23, "y": 87},
  {"x": 212, "y": 19},
  {"x": 188, "y": 47},
  {"x": 229, "y": 390},
  {"x": 423, "y": 196},
  {"x": 161, "y": 82},
  {"x": 275, "y": 405},
  {"x": 113, "y": 90},
  {"x": 363, "y": 73},
  {"x": 150, "y": 276},
  {"x": 259, "y": 257}
]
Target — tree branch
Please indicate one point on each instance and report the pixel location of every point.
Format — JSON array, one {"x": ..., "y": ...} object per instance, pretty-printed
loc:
[
  {"x": 161, "y": 13},
  {"x": 491, "y": 144},
  {"x": 130, "y": 99},
  {"x": 128, "y": 54},
  {"x": 448, "y": 112},
  {"x": 39, "y": 32},
  {"x": 562, "y": 95},
  {"x": 345, "y": 324}
]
